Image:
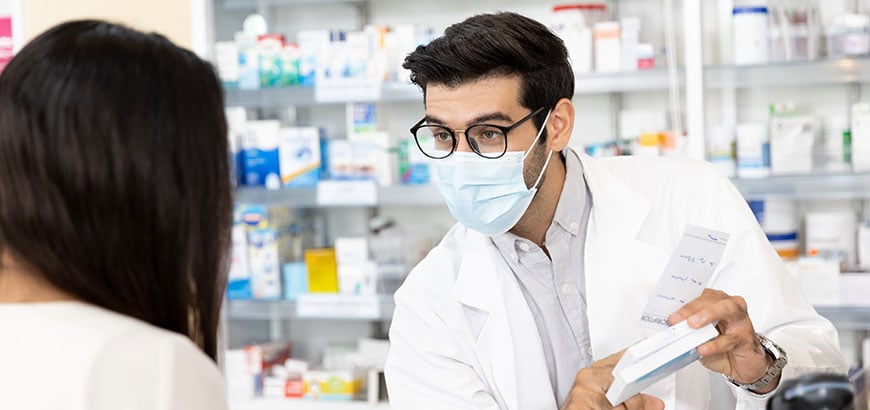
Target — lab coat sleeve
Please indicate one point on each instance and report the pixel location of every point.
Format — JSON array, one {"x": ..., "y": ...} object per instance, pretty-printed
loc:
[
  {"x": 751, "y": 268},
  {"x": 426, "y": 368}
]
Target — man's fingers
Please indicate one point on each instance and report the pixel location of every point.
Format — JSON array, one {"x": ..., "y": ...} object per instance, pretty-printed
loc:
[
  {"x": 708, "y": 297},
  {"x": 642, "y": 402},
  {"x": 721, "y": 344},
  {"x": 610, "y": 361},
  {"x": 730, "y": 310}
]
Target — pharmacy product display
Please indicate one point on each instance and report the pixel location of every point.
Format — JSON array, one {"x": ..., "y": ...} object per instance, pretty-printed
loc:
[
  {"x": 347, "y": 372},
  {"x": 271, "y": 156},
  {"x": 258, "y": 59},
  {"x": 595, "y": 43}
]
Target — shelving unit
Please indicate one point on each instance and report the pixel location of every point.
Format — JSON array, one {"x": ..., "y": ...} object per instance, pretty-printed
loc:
[
  {"x": 819, "y": 186},
  {"x": 398, "y": 195},
  {"x": 302, "y": 404},
  {"x": 802, "y": 73},
  {"x": 797, "y": 187},
  {"x": 847, "y": 317},
  {"x": 288, "y": 310},
  {"x": 647, "y": 80}
]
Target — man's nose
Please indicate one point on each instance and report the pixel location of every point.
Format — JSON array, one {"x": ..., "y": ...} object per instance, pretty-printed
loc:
[{"x": 464, "y": 144}]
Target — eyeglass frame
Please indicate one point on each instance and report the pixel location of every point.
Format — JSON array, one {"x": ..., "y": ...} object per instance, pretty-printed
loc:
[{"x": 504, "y": 130}]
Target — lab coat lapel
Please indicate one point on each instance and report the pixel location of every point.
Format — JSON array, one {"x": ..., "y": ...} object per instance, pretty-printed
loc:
[
  {"x": 616, "y": 261},
  {"x": 507, "y": 340}
]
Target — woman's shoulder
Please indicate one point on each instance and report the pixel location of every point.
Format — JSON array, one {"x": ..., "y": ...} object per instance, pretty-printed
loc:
[
  {"x": 108, "y": 358},
  {"x": 153, "y": 365}
]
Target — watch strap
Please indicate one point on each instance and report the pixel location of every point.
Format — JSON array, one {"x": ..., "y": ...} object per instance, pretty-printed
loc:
[{"x": 780, "y": 359}]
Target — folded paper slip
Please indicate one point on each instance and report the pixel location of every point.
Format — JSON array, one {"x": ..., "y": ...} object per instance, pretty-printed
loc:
[{"x": 655, "y": 358}]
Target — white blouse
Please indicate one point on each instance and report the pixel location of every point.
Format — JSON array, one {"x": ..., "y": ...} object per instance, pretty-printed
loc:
[{"x": 71, "y": 355}]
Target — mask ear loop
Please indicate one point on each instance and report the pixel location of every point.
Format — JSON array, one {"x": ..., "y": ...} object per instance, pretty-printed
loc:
[{"x": 549, "y": 155}]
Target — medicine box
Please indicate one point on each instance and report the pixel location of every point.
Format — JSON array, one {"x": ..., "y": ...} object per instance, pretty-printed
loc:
[
  {"x": 262, "y": 357},
  {"x": 270, "y": 47},
  {"x": 331, "y": 385},
  {"x": 261, "y": 160},
  {"x": 322, "y": 270},
  {"x": 295, "y": 280},
  {"x": 299, "y": 153}
]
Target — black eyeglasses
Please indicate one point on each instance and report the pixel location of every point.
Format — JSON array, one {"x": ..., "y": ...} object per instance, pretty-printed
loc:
[{"x": 486, "y": 140}]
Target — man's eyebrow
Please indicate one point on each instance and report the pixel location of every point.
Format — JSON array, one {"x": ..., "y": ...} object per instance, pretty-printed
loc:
[{"x": 493, "y": 116}]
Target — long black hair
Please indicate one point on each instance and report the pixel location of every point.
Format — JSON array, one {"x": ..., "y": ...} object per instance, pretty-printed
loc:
[{"x": 114, "y": 176}]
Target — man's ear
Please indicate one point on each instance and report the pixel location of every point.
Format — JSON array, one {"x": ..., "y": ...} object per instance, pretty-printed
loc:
[{"x": 560, "y": 126}]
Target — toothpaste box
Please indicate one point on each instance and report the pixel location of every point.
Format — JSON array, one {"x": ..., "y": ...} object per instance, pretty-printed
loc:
[
  {"x": 261, "y": 156},
  {"x": 299, "y": 156},
  {"x": 239, "y": 281},
  {"x": 274, "y": 237}
]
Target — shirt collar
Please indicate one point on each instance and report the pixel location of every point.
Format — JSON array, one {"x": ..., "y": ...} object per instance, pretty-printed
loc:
[
  {"x": 569, "y": 210},
  {"x": 573, "y": 199}
]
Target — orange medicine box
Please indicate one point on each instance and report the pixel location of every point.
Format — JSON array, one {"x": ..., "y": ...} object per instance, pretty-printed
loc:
[{"x": 322, "y": 270}]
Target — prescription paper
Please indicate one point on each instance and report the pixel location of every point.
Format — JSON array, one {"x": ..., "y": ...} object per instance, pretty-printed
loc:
[{"x": 686, "y": 274}]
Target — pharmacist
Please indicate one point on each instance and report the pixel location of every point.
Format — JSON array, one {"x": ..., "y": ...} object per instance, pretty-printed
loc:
[{"x": 524, "y": 302}]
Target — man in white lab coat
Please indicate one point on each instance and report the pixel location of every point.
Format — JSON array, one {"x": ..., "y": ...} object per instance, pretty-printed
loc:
[{"x": 529, "y": 301}]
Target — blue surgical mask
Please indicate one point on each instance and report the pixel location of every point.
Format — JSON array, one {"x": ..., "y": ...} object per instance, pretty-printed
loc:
[{"x": 488, "y": 195}]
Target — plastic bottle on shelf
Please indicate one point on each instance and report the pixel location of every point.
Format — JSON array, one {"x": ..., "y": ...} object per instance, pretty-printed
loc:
[
  {"x": 721, "y": 150},
  {"x": 832, "y": 234},
  {"x": 572, "y": 23},
  {"x": 860, "y": 137},
  {"x": 750, "y": 31},
  {"x": 608, "y": 52},
  {"x": 779, "y": 221},
  {"x": 794, "y": 30},
  {"x": 753, "y": 151},
  {"x": 849, "y": 35},
  {"x": 630, "y": 37},
  {"x": 832, "y": 155},
  {"x": 646, "y": 55}
]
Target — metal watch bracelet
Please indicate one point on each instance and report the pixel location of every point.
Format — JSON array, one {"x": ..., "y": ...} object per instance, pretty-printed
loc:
[{"x": 780, "y": 359}]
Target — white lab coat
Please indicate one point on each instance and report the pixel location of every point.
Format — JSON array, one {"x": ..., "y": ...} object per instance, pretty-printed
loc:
[{"x": 463, "y": 337}]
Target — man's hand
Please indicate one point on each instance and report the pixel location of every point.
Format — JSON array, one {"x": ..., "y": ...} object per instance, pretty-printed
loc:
[
  {"x": 737, "y": 352},
  {"x": 592, "y": 383}
]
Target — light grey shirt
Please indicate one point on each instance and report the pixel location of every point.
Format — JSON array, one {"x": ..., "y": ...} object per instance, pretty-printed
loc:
[{"x": 554, "y": 287}]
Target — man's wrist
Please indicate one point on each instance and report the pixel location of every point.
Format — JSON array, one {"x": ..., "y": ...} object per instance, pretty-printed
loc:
[{"x": 776, "y": 359}]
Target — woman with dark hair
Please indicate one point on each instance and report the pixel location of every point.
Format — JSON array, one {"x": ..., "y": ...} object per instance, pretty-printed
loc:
[{"x": 114, "y": 222}]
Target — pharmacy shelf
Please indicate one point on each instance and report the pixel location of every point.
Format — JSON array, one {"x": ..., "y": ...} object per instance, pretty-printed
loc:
[
  {"x": 596, "y": 83},
  {"x": 400, "y": 195},
  {"x": 838, "y": 71},
  {"x": 622, "y": 82},
  {"x": 847, "y": 317},
  {"x": 276, "y": 97},
  {"x": 301, "y": 404},
  {"x": 287, "y": 310},
  {"x": 254, "y": 4},
  {"x": 820, "y": 186}
]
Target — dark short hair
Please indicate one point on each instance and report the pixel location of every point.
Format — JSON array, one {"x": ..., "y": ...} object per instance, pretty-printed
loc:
[
  {"x": 497, "y": 44},
  {"x": 114, "y": 176}
]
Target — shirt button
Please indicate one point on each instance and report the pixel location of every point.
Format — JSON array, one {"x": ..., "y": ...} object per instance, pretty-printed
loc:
[
  {"x": 524, "y": 247},
  {"x": 589, "y": 351},
  {"x": 566, "y": 289},
  {"x": 574, "y": 225}
]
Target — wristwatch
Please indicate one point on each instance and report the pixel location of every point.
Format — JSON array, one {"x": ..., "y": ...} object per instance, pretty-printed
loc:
[{"x": 780, "y": 359}]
